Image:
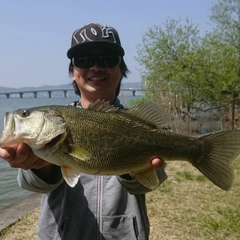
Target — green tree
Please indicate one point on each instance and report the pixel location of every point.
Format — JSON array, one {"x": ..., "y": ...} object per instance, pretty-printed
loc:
[
  {"x": 167, "y": 55},
  {"x": 188, "y": 73},
  {"x": 226, "y": 15}
]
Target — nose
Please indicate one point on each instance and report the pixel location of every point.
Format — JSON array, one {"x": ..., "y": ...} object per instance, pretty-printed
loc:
[{"x": 96, "y": 67}]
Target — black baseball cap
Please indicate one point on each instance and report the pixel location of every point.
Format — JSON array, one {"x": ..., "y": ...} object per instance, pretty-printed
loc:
[{"x": 95, "y": 35}]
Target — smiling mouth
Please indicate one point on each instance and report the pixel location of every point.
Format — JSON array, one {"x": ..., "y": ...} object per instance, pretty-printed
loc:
[{"x": 97, "y": 78}]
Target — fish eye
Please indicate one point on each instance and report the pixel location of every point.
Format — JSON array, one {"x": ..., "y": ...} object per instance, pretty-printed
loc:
[{"x": 25, "y": 113}]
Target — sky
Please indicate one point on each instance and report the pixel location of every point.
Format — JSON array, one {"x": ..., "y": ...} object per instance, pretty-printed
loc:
[{"x": 36, "y": 34}]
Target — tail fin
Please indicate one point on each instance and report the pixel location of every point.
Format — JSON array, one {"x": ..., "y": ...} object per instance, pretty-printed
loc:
[{"x": 219, "y": 150}]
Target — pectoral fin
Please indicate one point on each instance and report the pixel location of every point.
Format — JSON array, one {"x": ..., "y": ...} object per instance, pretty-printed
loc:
[
  {"x": 79, "y": 152},
  {"x": 148, "y": 178},
  {"x": 70, "y": 175}
]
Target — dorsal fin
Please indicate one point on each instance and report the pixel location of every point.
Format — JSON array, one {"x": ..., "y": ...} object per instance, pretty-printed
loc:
[
  {"x": 102, "y": 106},
  {"x": 151, "y": 112}
]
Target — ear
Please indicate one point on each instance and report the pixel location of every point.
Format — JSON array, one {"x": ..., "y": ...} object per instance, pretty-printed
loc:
[{"x": 71, "y": 69}]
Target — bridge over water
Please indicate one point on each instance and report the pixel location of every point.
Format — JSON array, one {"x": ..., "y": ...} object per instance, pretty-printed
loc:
[{"x": 65, "y": 91}]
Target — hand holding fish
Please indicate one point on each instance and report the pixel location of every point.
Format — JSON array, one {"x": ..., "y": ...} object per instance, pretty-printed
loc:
[{"x": 23, "y": 157}]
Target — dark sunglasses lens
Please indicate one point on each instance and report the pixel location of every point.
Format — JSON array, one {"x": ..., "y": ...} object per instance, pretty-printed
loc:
[
  {"x": 103, "y": 61},
  {"x": 83, "y": 62},
  {"x": 109, "y": 61}
]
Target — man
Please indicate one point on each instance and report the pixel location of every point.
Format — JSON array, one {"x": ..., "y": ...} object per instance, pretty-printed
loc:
[{"x": 98, "y": 207}]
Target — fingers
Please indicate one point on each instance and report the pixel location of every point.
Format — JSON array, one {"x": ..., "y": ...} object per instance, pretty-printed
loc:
[
  {"x": 157, "y": 162},
  {"x": 22, "y": 156},
  {"x": 6, "y": 153}
]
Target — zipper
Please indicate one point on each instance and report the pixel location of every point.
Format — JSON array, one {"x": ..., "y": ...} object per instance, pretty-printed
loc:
[{"x": 99, "y": 206}]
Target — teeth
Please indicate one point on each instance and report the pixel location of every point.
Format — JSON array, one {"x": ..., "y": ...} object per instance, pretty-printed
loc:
[{"x": 97, "y": 78}]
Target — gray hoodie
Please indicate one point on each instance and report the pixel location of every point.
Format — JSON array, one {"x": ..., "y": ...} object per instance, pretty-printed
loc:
[{"x": 97, "y": 208}]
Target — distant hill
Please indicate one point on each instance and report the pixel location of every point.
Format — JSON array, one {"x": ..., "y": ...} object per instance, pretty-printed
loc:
[
  {"x": 124, "y": 85},
  {"x": 132, "y": 85},
  {"x": 6, "y": 89}
]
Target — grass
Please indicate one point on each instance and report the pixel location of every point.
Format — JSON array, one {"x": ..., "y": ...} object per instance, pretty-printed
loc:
[
  {"x": 189, "y": 206},
  {"x": 25, "y": 228},
  {"x": 186, "y": 206}
]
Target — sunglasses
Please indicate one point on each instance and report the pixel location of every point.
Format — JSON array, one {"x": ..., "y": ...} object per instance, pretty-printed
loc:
[{"x": 103, "y": 61}]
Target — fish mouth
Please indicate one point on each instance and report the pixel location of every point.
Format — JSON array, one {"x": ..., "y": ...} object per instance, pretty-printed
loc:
[
  {"x": 9, "y": 124},
  {"x": 8, "y": 140},
  {"x": 8, "y": 134}
]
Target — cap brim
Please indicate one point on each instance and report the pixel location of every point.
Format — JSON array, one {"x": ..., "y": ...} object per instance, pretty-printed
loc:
[{"x": 81, "y": 48}]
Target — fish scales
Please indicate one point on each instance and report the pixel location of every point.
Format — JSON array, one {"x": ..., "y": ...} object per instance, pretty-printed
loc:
[{"x": 120, "y": 143}]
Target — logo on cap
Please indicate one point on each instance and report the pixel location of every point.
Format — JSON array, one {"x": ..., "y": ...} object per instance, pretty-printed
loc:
[{"x": 94, "y": 32}]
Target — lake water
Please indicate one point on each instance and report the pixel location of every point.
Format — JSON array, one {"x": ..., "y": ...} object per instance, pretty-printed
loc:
[{"x": 9, "y": 189}]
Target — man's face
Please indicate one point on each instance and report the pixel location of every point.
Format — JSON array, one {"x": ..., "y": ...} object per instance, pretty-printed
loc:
[{"x": 97, "y": 81}]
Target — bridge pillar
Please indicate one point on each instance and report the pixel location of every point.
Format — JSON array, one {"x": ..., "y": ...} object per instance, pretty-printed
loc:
[
  {"x": 133, "y": 92},
  {"x": 35, "y": 94},
  {"x": 49, "y": 94},
  {"x": 21, "y": 94},
  {"x": 7, "y": 95},
  {"x": 65, "y": 93}
]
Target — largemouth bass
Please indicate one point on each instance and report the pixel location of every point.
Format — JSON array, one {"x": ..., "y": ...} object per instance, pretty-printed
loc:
[{"x": 105, "y": 140}]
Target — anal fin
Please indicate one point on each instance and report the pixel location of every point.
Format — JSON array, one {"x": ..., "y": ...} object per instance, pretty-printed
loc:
[{"x": 147, "y": 178}]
